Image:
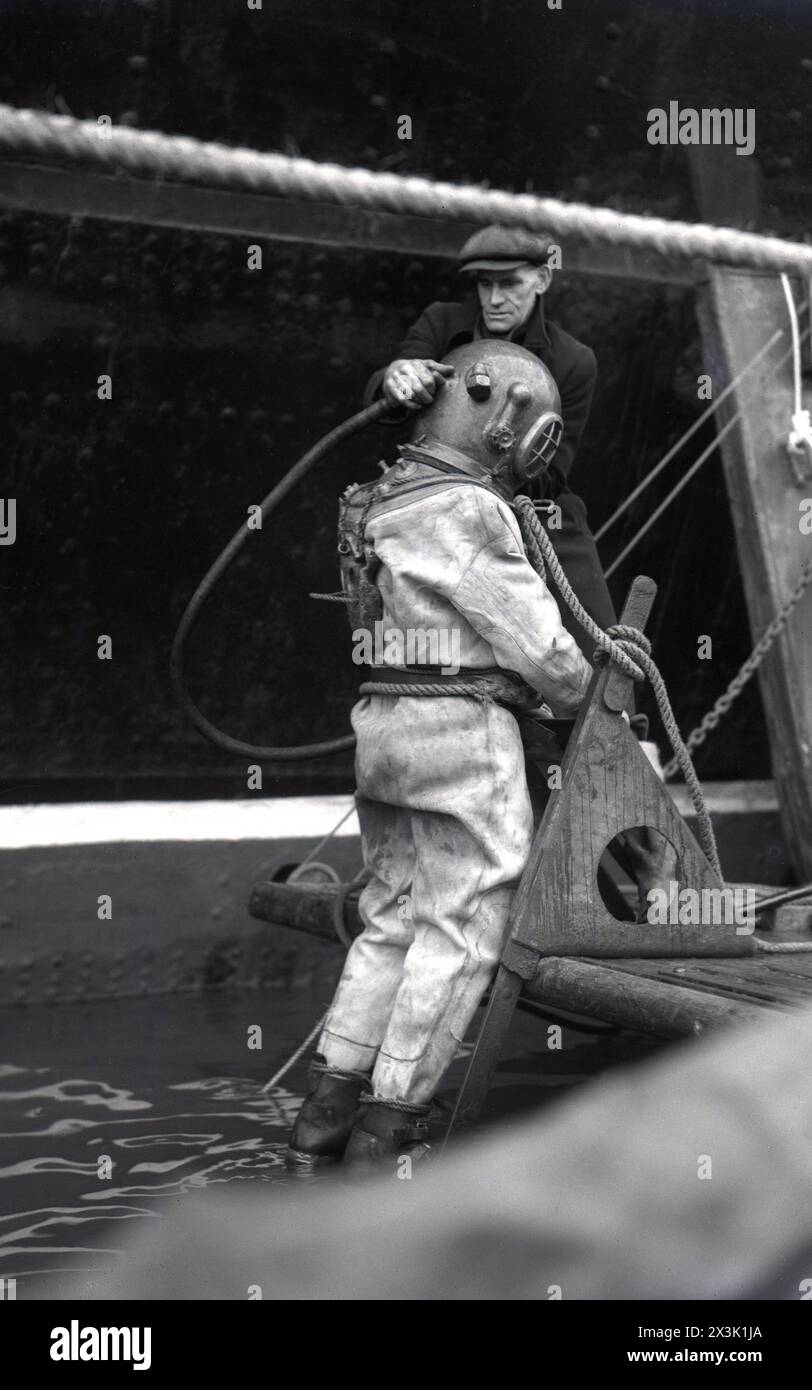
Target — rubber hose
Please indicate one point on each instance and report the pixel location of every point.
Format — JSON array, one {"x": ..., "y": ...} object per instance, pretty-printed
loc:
[{"x": 223, "y": 562}]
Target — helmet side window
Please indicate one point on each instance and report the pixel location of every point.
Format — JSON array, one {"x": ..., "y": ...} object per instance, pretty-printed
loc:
[{"x": 539, "y": 445}]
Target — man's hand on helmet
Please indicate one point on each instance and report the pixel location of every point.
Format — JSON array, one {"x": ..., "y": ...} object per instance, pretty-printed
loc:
[{"x": 412, "y": 382}]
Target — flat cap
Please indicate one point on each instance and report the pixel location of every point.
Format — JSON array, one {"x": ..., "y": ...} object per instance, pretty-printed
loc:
[{"x": 503, "y": 248}]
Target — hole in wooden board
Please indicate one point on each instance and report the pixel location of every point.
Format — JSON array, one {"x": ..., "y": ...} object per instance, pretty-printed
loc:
[{"x": 633, "y": 863}]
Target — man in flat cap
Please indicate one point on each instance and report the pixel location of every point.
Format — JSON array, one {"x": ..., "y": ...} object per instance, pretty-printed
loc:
[{"x": 510, "y": 272}]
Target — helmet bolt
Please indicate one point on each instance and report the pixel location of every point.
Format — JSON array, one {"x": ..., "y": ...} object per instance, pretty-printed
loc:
[{"x": 478, "y": 382}]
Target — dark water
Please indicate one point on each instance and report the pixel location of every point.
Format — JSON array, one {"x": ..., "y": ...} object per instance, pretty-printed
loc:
[{"x": 165, "y": 1096}]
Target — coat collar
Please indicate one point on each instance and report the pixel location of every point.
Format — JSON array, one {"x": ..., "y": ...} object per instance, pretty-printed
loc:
[{"x": 535, "y": 333}]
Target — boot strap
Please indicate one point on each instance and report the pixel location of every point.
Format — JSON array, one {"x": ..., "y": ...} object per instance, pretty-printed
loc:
[
  {"x": 341, "y": 1074},
  {"x": 367, "y": 1098}
]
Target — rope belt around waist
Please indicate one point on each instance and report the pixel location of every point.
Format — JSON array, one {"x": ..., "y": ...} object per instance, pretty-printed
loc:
[{"x": 489, "y": 683}]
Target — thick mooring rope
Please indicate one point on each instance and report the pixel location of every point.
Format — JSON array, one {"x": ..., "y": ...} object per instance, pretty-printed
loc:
[
  {"x": 62, "y": 139},
  {"x": 630, "y": 650}
]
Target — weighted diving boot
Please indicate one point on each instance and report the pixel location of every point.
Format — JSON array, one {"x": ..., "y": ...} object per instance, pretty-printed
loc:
[
  {"x": 386, "y": 1132},
  {"x": 324, "y": 1123}
]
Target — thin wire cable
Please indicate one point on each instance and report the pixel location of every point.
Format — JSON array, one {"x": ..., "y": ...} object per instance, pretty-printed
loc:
[
  {"x": 692, "y": 429},
  {"x": 679, "y": 486},
  {"x": 666, "y": 502},
  {"x": 787, "y": 895},
  {"x": 683, "y": 439},
  {"x": 328, "y": 837}
]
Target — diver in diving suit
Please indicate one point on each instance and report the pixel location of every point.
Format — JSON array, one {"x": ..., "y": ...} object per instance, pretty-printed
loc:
[{"x": 443, "y": 803}]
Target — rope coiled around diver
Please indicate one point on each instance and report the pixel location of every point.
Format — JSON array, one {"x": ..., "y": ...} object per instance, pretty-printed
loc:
[
  {"x": 473, "y": 691},
  {"x": 630, "y": 649}
]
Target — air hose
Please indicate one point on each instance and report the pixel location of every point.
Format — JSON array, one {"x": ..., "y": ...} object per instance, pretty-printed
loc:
[{"x": 223, "y": 562}]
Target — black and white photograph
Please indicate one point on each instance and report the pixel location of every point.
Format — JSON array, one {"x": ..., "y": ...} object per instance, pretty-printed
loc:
[{"x": 406, "y": 680}]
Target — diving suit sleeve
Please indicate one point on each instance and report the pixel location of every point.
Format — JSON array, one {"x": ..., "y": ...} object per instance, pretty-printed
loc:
[{"x": 510, "y": 606}]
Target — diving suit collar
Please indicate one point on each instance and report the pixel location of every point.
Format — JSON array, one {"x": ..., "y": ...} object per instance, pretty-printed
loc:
[{"x": 446, "y": 459}]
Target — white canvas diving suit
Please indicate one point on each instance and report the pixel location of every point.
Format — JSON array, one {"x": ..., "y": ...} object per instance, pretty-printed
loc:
[{"x": 443, "y": 803}]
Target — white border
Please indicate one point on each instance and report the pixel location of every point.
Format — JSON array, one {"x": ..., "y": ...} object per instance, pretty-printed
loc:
[{"x": 139, "y": 822}]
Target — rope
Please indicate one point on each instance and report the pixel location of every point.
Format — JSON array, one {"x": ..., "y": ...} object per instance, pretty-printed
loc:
[
  {"x": 175, "y": 157},
  {"x": 367, "y": 1098},
  {"x": 339, "y": 919},
  {"x": 311, "y": 1037},
  {"x": 285, "y": 1068},
  {"x": 328, "y": 837},
  {"x": 541, "y": 553},
  {"x": 751, "y": 665},
  {"x": 345, "y": 939},
  {"x": 630, "y": 650},
  {"x": 452, "y": 688},
  {"x": 341, "y": 1073},
  {"x": 783, "y": 947}
]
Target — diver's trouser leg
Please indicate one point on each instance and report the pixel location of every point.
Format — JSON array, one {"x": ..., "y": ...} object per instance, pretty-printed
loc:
[
  {"x": 374, "y": 966},
  {"x": 450, "y": 858},
  {"x": 463, "y": 884}
]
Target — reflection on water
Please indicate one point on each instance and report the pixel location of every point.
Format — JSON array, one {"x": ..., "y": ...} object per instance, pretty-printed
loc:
[{"x": 110, "y": 1112}]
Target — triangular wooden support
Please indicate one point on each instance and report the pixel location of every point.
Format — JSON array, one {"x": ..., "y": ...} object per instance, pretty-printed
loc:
[{"x": 608, "y": 786}]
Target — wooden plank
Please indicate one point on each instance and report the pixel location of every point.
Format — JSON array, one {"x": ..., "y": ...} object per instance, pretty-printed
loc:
[
  {"x": 667, "y": 998},
  {"x": 619, "y": 996},
  {"x": 736, "y": 312},
  {"x": 81, "y": 193},
  {"x": 770, "y": 981}
]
